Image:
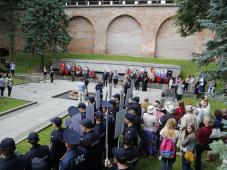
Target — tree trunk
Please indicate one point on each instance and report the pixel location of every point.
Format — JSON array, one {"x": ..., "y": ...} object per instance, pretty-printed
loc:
[{"x": 41, "y": 62}]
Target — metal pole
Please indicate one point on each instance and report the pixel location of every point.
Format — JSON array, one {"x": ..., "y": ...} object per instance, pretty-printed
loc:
[{"x": 107, "y": 128}]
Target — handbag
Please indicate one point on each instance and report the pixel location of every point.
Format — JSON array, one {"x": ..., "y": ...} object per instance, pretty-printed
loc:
[
  {"x": 216, "y": 133},
  {"x": 189, "y": 156}
]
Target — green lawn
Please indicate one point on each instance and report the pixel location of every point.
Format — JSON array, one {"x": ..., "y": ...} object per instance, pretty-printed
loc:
[
  {"x": 26, "y": 63},
  {"x": 17, "y": 81},
  {"x": 8, "y": 103},
  {"x": 214, "y": 103}
]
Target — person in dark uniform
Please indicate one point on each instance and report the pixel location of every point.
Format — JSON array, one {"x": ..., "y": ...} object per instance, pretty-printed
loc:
[
  {"x": 82, "y": 110},
  {"x": 76, "y": 156},
  {"x": 86, "y": 81},
  {"x": 131, "y": 151},
  {"x": 51, "y": 74},
  {"x": 144, "y": 81},
  {"x": 57, "y": 146},
  {"x": 100, "y": 130},
  {"x": 137, "y": 80},
  {"x": 72, "y": 110},
  {"x": 110, "y": 77},
  {"x": 108, "y": 107},
  {"x": 120, "y": 162},
  {"x": 10, "y": 160},
  {"x": 37, "y": 150},
  {"x": 91, "y": 100},
  {"x": 126, "y": 86},
  {"x": 105, "y": 76},
  {"x": 117, "y": 97},
  {"x": 131, "y": 127},
  {"x": 91, "y": 141},
  {"x": 99, "y": 86}
]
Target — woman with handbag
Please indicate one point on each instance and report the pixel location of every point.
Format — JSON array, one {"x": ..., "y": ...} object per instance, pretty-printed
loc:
[{"x": 188, "y": 147}]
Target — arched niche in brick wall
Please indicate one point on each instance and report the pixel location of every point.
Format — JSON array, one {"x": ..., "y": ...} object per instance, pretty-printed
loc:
[
  {"x": 169, "y": 44},
  {"x": 82, "y": 35},
  {"x": 124, "y": 36}
]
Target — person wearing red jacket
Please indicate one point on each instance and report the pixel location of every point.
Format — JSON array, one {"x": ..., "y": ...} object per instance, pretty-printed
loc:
[
  {"x": 180, "y": 111},
  {"x": 203, "y": 140}
]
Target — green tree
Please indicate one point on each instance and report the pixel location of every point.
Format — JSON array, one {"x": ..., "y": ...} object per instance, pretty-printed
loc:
[
  {"x": 9, "y": 16},
  {"x": 217, "y": 48},
  {"x": 188, "y": 14},
  {"x": 195, "y": 15},
  {"x": 44, "y": 27}
]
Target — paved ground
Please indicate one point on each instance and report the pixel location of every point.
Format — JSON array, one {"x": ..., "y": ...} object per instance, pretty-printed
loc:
[{"x": 19, "y": 123}]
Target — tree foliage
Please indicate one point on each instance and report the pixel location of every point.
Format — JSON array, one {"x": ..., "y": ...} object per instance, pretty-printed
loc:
[
  {"x": 217, "y": 48},
  {"x": 44, "y": 26},
  {"x": 188, "y": 14},
  {"x": 195, "y": 15}
]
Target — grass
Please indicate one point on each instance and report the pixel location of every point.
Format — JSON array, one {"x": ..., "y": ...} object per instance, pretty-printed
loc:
[
  {"x": 26, "y": 63},
  {"x": 214, "y": 103},
  {"x": 8, "y": 103},
  {"x": 17, "y": 81}
]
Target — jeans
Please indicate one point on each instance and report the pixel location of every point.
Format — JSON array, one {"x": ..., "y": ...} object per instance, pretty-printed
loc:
[
  {"x": 9, "y": 90},
  {"x": 81, "y": 97},
  {"x": 185, "y": 164},
  {"x": 2, "y": 90},
  {"x": 167, "y": 164},
  {"x": 199, "y": 150}
]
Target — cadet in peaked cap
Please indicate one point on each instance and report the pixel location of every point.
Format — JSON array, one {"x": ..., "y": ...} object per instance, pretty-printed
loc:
[
  {"x": 37, "y": 150},
  {"x": 57, "y": 121},
  {"x": 90, "y": 141},
  {"x": 74, "y": 152},
  {"x": 117, "y": 97},
  {"x": 82, "y": 110},
  {"x": 100, "y": 130},
  {"x": 72, "y": 110},
  {"x": 131, "y": 151},
  {"x": 10, "y": 160},
  {"x": 91, "y": 99},
  {"x": 130, "y": 121},
  {"x": 57, "y": 147},
  {"x": 120, "y": 159}
]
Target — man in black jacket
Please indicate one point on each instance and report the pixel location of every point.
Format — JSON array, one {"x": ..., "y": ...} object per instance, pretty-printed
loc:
[
  {"x": 10, "y": 160},
  {"x": 38, "y": 151},
  {"x": 57, "y": 145}
]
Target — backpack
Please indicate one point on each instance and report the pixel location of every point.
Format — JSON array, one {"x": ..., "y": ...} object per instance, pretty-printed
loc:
[
  {"x": 167, "y": 148},
  {"x": 39, "y": 163}
]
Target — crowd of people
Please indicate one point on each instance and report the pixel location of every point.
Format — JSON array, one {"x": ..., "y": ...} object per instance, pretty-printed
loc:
[
  {"x": 161, "y": 130},
  {"x": 6, "y": 78}
]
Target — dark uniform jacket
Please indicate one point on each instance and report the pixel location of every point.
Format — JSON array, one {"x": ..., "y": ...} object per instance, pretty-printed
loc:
[
  {"x": 39, "y": 151},
  {"x": 91, "y": 142},
  {"x": 13, "y": 162},
  {"x": 74, "y": 159},
  {"x": 132, "y": 154},
  {"x": 133, "y": 130},
  {"x": 58, "y": 148}
]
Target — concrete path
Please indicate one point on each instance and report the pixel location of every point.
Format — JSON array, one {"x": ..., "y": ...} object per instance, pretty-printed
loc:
[{"x": 34, "y": 118}]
